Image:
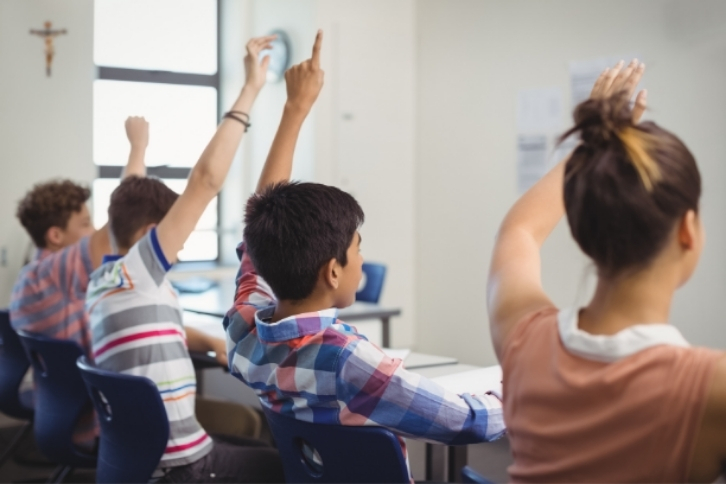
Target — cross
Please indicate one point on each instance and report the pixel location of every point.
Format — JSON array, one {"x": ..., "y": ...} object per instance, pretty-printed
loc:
[{"x": 48, "y": 36}]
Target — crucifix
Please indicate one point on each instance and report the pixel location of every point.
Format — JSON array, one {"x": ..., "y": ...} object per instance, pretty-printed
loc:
[{"x": 48, "y": 35}]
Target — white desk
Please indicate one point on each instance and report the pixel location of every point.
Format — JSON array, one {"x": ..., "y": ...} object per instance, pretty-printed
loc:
[
  {"x": 218, "y": 300},
  {"x": 212, "y": 325},
  {"x": 443, "y": 463}
]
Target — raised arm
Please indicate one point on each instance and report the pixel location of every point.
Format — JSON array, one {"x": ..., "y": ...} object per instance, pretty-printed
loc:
[
  {"x": 515, "y": 285},
  {"x": 137, "y": 132},
  {"x": 208, "y": 175},
  {"x": 304, "y": 82}
]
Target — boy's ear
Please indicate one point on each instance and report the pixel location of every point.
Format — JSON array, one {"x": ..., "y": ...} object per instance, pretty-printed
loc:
[
  {"x": 54, "y": 236},
  {"x": 331, "y": 274}
]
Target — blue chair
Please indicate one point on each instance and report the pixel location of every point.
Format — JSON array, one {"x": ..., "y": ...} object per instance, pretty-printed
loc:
[
  {"x": 375, "y": 275},
  {"x": 471, "y": 476},
  {"x": 60, "y": 399},
  {"x": 335, "y": 453},
  {"x": 134, "y": 424},
  {"x": 13, "y": 367}
]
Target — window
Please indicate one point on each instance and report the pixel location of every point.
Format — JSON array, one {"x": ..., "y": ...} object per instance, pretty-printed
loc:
[{"x": 157, "y": 59}]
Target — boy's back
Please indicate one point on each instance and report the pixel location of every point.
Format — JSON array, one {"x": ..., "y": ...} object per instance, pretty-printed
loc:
[
  {"x": 303, "y": 239},
  {"x": 316, "y": 368},
  {"x": 137, "y": 330}
]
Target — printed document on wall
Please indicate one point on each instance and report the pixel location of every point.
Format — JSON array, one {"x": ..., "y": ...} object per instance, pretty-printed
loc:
[{"x": 539, "y": 121}]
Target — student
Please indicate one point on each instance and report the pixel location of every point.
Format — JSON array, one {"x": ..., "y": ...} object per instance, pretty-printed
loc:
[
  {"x": 135, "y": 315},
  {"x": 609, "y": 392},
  {"x": 50, "y": 293},
  {"x": 285, "y": 339}
]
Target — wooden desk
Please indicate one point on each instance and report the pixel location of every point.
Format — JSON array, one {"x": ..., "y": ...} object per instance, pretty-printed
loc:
[{"x": 218, "y": 300}]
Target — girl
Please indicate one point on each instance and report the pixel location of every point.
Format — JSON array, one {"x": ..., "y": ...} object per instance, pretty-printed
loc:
[{"x": 609, "y": 392}]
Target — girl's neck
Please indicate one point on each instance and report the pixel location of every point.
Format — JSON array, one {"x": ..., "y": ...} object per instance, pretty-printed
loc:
[{"x": 641, "y": 298}]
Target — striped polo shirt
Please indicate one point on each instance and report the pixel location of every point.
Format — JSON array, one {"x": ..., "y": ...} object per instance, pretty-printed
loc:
[
  {"x": 50, "y": 294},
  {"x": 136, "y": 325},
  {"x": 49, "y": 299}
]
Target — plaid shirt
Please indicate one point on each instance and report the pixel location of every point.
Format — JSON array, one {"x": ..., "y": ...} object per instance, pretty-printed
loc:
[{"x": 316, "y": 368}]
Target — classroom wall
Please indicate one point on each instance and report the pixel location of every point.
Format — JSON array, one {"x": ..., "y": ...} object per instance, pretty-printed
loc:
[
  {"x": 473, "y": 58},
  {"x": 360, "y": 135},
  {"x": 45, "y": 123}
]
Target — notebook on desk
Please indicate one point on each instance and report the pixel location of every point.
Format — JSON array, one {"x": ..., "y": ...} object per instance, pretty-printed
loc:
[{"x": 474, "y": 382}]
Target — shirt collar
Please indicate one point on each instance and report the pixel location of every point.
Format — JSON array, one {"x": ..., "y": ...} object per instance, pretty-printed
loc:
[
  {"x": 111, "y": 258},
  {"x": 41, "y": 254},
  {"x": 611, "y": 348},
  {"x": 294, "y": 326}
]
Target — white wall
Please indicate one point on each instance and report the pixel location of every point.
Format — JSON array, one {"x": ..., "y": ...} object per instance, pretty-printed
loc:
[
  {"x": 474, "y": 56},
  {"x": 364, "y": 134},
  {"x": 360, "y": 135},
  {"x": 45, "y": 123}
]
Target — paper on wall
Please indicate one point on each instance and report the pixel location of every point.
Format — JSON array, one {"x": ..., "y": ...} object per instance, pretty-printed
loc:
[
  {"x": 539, "y": 110},
  {"x": 539, "y": 119},
  {"x": 474, "y": 382}
]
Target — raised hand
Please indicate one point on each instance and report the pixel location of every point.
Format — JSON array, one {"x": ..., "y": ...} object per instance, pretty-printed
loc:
[
  {"x": 137, "y": 131},
  {"x": 305, "y": 80},
  {"x": 622, "y": 79},
  {"x": 256, "y": 70}
]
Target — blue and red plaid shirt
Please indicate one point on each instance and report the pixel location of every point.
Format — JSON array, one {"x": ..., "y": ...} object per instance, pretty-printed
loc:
[{"x": 316, "y": 368}]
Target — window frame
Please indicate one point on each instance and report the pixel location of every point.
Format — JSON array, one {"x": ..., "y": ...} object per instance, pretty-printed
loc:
[{"x": 174, "y": 78}]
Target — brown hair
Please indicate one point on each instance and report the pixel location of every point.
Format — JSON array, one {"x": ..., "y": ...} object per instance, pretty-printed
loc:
[
  {"x": 626, "y": 185},
  {"x": 136, "y": 203},
  {"x": 49, "y": 205}
]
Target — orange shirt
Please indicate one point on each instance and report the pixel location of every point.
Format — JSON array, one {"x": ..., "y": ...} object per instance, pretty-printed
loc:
[{"x": 593, "y": 408}]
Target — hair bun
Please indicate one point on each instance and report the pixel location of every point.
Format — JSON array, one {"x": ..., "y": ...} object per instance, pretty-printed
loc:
[{"x": 599, "y": 121}]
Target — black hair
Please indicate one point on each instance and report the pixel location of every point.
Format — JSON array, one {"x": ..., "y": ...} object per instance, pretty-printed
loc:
[{"x": 293, "y": 229}]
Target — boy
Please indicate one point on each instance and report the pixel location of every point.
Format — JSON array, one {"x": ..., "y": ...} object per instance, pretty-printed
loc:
[
  {"x": 50, "y": 293},
  {"x": 283, "y": 333},
  {"x": 136, "y": 321}
]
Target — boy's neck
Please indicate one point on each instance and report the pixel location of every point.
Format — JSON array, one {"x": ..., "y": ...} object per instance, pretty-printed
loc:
[{"x": 285, "y": 309}]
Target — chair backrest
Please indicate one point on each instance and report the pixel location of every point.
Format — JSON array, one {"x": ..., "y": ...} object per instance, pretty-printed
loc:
[
  {"x": 471, "y": 476},
  {"x": 60, "y": 397},
  {"x": 134, "y": 424},
  {"x": 375, "y": 274},
  {"x": 336, "y": 453},
  {"x": 14, "y": 365}
]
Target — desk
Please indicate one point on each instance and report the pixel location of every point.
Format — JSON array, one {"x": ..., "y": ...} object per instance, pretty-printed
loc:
[
  {"x": 213, "y": 325},
  {"x": 443, "y": 463},
  {"x": 218, "y": 300}
]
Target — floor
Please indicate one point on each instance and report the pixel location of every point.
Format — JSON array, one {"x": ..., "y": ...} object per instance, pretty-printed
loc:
[{"x": 28, "y": 465}]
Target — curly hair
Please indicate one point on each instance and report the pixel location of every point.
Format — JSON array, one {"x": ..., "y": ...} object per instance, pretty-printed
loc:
[{"x": 50, "y": 204}]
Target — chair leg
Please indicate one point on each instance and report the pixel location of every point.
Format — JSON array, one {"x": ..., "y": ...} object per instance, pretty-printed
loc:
[
  {"x": 60, "y": 474},
  {"x": 17, "y": 440}
]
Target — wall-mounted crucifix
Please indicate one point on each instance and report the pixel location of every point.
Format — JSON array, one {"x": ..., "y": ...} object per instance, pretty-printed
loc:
[{"x": 48, "y": 35}]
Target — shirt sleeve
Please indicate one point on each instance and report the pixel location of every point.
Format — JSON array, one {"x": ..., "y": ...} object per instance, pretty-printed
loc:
[
  {"x": 145, "y": 264},
  {"x": 68, "y": 269},
  {"x": 252, "y": 294},
  {"x": 377, "y": 390}
]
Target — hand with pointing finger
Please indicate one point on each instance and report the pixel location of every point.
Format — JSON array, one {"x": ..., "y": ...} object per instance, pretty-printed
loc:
[{"x": 305, "y": 80}]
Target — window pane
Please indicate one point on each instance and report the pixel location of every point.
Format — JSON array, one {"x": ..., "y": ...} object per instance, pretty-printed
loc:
[
  {"x": 201, "y": 245},
  {"x": 164, "y": 35},
  {"x": 182, "y": 121}
]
